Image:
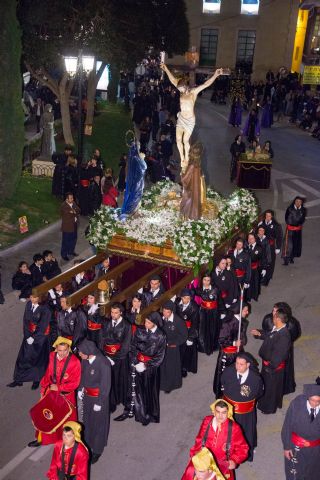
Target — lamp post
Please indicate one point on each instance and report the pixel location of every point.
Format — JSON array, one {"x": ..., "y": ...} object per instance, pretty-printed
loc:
[{"x": 78, "y": 65}]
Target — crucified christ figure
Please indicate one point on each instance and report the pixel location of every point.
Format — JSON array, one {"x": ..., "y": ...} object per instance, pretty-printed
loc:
[{"x": 186, "y": 117}]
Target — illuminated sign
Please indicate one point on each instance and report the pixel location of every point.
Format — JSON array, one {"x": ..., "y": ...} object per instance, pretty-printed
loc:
[
  {"x": 250, "y": 7},
  {"x": 211, "y": 6},
  {"x": 104, "y": 79},
  {"x": 311, "y": 75}
]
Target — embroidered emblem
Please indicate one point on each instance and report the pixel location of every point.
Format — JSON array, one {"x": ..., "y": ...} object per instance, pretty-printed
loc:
[
  {"x": 245, "y": 390},
  {"x": 47, "y": 414}
]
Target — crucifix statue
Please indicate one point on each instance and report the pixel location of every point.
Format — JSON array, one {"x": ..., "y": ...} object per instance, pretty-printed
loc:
[{"x": 186, "y": 116}]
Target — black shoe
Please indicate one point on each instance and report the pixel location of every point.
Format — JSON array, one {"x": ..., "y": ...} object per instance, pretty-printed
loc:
[
  {"x": 291, "y": 260},
  {"x": 35, "y": 385},
  {"x": 95, "y": 457},
  {"x": 75, "y": 254},
  {"x": 184, "y": 373},
  {"x": 34, "y": 443},
  {"x": 14, "y": 384},
  {"x": 66, "y": 259},
  {"x": 123, "y": 417},
  {"x": 145, "y": 423},
  {"x": 285, "y": 263}
]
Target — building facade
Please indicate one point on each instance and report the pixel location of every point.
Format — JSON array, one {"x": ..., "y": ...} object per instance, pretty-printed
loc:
[{"x": 253, "y": 35}]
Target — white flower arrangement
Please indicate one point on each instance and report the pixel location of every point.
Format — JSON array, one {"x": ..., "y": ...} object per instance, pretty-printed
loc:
[{"x": 193, "y": 240}]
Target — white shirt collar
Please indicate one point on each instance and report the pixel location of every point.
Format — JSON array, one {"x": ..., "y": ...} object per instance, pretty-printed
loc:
[
  {"x": 92, "y": 359},
  {"x": 79, "y": 277},
  {"x": 278, "y": 329},
  {"x": 253, "y": 245},
  {"x": 316, "y": 410},
  {"x": 116, "y": 322},
  {"x": 170, "y": 319},
  {"x": 243, "y": 375},
  {"x": 152, "y": 329},
  {"x": 155, "y": 292},
  {"x": 184, "y": 306},
  {"x": 69, "y": 310},
  {"x": 34, "y": 306}
]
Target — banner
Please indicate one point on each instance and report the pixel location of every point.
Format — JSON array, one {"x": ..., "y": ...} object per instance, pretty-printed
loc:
[
  {"x": 311, "y": 75},
  {"x": 23, "y": 224}
]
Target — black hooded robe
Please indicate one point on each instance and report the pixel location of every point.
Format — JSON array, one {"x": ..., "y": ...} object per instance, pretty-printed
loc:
[
  {"x": 189, "y": 353},
  {"x": 32, "y": 360},
  {"x": 292, "y": 244},
  {"x": 96, "y": 382},
  {"x": 209, "y": 325}
]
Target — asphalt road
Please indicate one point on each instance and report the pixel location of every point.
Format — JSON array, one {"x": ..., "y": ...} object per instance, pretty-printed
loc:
[{"x": 159, "y": 452}]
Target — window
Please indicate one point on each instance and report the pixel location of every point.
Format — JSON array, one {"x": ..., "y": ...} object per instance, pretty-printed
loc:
[
  {"x": 211, "y": 6},
  {"x": 250, "y": 7},
  {"x": 315, "y": 40},
  {"x": 208, "y": 47},
  {"x": 245, "y": 50}
]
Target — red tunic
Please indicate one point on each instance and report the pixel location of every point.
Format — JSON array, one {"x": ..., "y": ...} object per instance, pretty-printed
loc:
[
  {"x": 69, "y": 383},
  {"x": 79, "y": 467},
  {"x": 216, "y": 442}
]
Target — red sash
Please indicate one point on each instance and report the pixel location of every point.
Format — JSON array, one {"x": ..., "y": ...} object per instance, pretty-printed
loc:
[
  {"x": 240, "y": 273},
  {"x": 92, "y": 392},
  {"x": 84, "y": 183},
  {"x": 271, "y": 242},
  {"x": 254, "y": 265},
  {"x": 302, "y": 442},
  {"x": 133, "y": 329},
  {"x": 141, "y": 357},
  {"x": 224, "y": 293},
  {"x": 209, "y": 305},
  {"x": 241, "y": 407},
  {"x": 94, "y": 326},
  {"x": 112, "y": 349},
  {"x": 33, "y": 327},
  {"x": 230, "y": 349},
  {"x": 279, "y": 367},
  {"x": 188, "y": 323},
  {"x": 292, "y": 228}
]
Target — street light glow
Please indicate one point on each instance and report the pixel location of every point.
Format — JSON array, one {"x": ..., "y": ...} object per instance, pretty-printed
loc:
[
  {"x": 88, "y": 63},
  {"x": 71, "y": 64}
]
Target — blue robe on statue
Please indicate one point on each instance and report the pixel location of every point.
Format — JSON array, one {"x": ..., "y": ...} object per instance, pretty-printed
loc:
[{"x": 134, "y": 182}]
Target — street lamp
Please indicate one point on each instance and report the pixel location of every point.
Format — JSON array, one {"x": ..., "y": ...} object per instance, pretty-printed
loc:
[{"x": 74, "y": 65}]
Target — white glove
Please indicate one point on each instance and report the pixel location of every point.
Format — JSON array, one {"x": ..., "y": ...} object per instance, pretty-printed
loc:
[
  {"x": 96, "y": 408},
  {"x": 263, "y": 272},
  {"x": 140, "y": 367},
  {"x": 81, "y": 394},
  {"x": 111, "y": 361},
  {"x": 246, "y": 285},
  {"x": 189, "y": 343},
  {"x": 140, "y": 290},
  {"x": 173, "y": 298},
  {"x": 222, "y": 316},
  {"x": 30, "y": 340},
  {"x": 234, "y": 300},
  {"x": 277, "y": 250},
  {"x": 227, "y": 305}
]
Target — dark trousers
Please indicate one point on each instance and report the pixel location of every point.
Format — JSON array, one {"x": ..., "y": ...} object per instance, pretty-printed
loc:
[{"x": 68, "y": 244}]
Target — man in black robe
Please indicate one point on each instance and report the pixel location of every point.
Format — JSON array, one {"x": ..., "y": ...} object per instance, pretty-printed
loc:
[
  {"x": 33, "y": 356},
  {"x": 147, "y": 352},
  {"x": 242, "y": 386},
  {"x": 229, "y": 342},
  {"x": 274, "y": 353},
  {"x": 154, "y": 291},
  {"x": 274, "y": 234},
  {"x": 227, "y": 284},
  {"x": 71, "y": 324},
  {"x": 209, "y": 323},
  {"x": 50, "y": 268},
  {"x": 188, "y": 310},
  {"x": 60, "y": 161},
  {"x": 295, "y": 217},
  {"x": 94, "y": 391},
  {"x": 95, "y": 320},
  {"x": 265, "y": 260},
  {"x": 294, "y": 327},
  {"x": 241, "y": 263},
  {"x": 53, "y": 301},
  {"x": 177, "y": 334},
  {"x": 255, "y": 252},
  {"x": 301, "y": 435},
  {"x": 116, "y": 337}
]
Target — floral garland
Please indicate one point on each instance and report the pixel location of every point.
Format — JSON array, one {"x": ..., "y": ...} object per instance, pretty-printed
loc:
[{"x": 193, "y": 240}]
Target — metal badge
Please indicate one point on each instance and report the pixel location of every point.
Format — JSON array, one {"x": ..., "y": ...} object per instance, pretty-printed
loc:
[
  {"x": 245, "y": 390},
  {"x": 92, "y": 371}
]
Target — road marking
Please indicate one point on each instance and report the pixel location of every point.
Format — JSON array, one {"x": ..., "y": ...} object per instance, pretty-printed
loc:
[
  {"x": 40, "y": 452},
  {"x": 19, "y": 458},
  {"x": 312, "y": 203},
  {"x": 220, "y": 115},
  {"x": 306, "y": 187}
]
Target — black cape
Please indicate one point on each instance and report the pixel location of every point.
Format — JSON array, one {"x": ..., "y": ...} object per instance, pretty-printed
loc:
[
  {"x": 251, "y": 389},
  {"x": 292, "y": 244},
  {"x": 275, "y": 349},
  {"x": 189, "y": 353},
  {"x": 297, "y": 420},
  {"x": 170, "y": 370},
  {"x": 209, "y": 325},
  {"x": 33, "y": 359}
]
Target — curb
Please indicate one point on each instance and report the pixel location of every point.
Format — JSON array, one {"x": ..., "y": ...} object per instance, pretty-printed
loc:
[{"x": 34, "y": 236}]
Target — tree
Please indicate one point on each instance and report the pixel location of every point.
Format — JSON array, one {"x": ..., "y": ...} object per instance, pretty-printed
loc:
[{"x": 11, "y": 113}]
